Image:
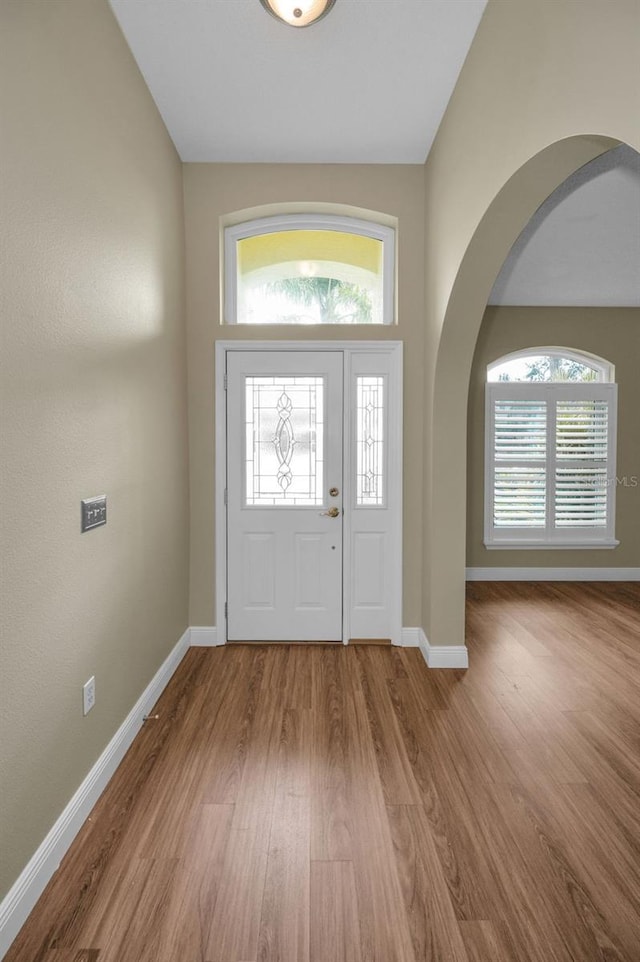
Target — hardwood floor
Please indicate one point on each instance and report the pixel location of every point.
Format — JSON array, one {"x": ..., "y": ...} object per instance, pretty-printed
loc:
[{"x": 331, "y": 804}]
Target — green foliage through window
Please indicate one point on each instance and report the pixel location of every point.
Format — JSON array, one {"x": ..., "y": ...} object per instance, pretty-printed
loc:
[{"x": 326, "y": 300}]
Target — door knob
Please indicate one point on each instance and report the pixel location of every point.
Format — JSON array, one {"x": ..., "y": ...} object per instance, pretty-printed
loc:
[{"x": 331, "y": 513}]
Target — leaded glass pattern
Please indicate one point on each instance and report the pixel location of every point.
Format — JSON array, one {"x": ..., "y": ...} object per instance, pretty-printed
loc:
[
  {"x": 370, "y": 440},
  {"x": 284, "y": 453}
]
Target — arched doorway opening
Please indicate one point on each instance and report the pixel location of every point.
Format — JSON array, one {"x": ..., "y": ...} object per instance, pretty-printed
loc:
[{"x": 446, "y": 461}]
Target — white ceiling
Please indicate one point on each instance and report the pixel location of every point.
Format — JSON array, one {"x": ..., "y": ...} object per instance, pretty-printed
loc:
[
  {"x": 582, "y": 246},
  {"x": 368, "y": 84}
]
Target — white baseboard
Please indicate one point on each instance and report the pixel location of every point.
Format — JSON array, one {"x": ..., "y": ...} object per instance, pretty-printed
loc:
[
  {"x": 436, "y": 656},
  {"x": 25, "y": 892},
  {"x": 443, "y": 656},
  {"x": 410, "y": 637},
  {"x": 203, "y": 637},
  {"x": 553, "y": 574}
]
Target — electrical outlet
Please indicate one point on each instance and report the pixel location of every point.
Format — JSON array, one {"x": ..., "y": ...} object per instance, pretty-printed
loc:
[{"x": 88, "y": 695}]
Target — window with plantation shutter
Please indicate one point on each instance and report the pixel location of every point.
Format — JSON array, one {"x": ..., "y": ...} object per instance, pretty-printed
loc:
[{"x": 550, "y": 464}]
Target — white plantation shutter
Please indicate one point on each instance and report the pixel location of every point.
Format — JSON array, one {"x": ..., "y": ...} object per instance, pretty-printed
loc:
[
  {"x": 520, "y": 454},
  {"x": 550, "y": 464},
  {"x": 582, "y": 449}
]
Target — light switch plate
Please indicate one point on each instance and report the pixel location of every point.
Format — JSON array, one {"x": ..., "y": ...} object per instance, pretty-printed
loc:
[{"x": 94, "y": 512}]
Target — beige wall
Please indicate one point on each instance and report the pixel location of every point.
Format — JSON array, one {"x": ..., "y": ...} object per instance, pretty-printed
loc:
[
  {"x": 94, "y": 355},
  {"x": 545, "y": 88},
  {"x": 215, "y": 190},
  {"x": 613, "y": 333},
  {"x": 94, "y": 401}
]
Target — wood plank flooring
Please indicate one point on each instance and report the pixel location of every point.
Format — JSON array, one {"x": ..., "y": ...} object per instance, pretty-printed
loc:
[{"x": 331, "y": 804}]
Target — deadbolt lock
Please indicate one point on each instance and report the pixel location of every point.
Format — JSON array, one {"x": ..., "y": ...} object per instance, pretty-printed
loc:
[{"x": 334, "y": 492}]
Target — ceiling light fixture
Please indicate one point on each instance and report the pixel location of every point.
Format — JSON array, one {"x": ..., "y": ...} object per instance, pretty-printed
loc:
[{"x": 298, "y": 13}]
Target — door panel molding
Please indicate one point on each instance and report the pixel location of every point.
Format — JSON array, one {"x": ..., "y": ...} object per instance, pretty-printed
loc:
[{"x": 361, "y": 358}]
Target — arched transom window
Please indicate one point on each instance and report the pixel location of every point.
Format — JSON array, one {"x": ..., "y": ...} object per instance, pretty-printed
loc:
[
  {"x": 309, "y": 269},
  {"x": 551, "y": 364}
]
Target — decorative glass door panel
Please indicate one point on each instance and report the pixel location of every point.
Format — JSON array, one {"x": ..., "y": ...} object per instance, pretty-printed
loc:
[
  {"x": 370, "y": 440},
  {"x": 284, "y": 431}
]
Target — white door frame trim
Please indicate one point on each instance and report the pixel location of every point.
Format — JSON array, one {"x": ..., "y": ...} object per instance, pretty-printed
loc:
[{"x": 392, "y": 349}]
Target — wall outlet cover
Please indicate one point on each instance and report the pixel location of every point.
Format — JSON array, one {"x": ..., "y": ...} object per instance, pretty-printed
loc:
[{"x": 89, "y": 695}]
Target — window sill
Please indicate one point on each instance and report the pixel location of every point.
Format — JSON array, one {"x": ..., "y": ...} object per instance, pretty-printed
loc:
[{"x": 550, "y": 545}]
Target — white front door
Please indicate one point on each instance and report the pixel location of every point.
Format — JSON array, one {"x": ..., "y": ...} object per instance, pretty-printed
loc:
[{"x": 284, "y": 495}]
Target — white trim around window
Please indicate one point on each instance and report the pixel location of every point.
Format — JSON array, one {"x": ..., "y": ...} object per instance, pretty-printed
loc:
[{"x": 550, "y": 465}]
